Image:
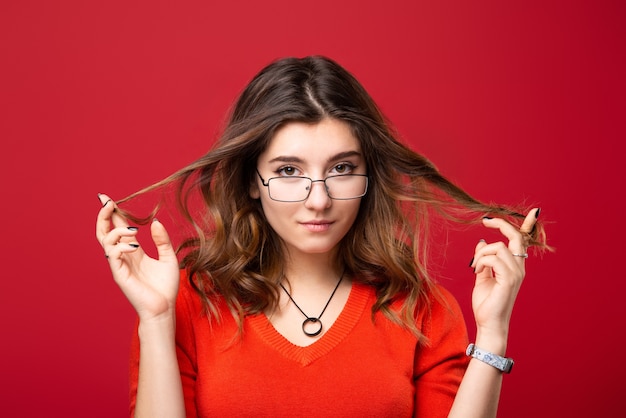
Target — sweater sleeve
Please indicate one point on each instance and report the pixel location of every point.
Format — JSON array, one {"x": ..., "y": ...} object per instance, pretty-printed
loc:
[
  {"x": 440, "y": 362},
  {"x": 186, "y": 307}
]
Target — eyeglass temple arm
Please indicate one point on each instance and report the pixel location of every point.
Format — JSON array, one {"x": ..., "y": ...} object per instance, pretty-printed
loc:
[{"x": 261, "y": 177}]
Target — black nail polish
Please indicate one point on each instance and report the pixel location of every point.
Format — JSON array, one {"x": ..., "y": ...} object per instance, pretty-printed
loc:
[
  {"x": 134, "y": 245},
  {"x": 537, "y": 213},
  {"x": 487, "y": 217},
  {"x": 471, "y": 262},
  {"x": 132, "y": 228}
]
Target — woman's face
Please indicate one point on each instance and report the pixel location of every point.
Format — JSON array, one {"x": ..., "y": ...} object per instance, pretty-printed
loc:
[{"x": 328, "y": 148}]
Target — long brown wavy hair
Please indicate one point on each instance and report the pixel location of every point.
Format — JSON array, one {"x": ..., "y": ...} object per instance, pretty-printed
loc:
[{"x": 235, "y": 255}]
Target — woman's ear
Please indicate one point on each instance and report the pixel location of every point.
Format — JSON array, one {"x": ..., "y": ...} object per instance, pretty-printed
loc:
[{"x": 254, "y": 191}]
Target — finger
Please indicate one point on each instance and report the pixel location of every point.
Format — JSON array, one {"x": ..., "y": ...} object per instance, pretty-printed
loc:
[
  {"x": 530, "y": 220},
  {"x": 516, "y": 239},
  {"x": 103, "y": 221},
  {"x": 161, "y": 240},
  {"x": 485, "y": 266},
  {"x": 495, "y": 248},
  {"x": 115, "y": 253},
  {"x": 104, "y": 199},
  {"x": 502, "y": 252},
  {"x": 499, "y": 249},
  {"x": 116, "y": 234},
  {"x": 478, "y": 251},
  {"x": 115, "y": 217},
  {"x": 494, "y": 267},
  {"x": 498, "y": 258},
  {"x": 480, "y": 245},
  {"x": 107, "y": 216},
  {"x": 117, "y": 242},
  {"x": 482, "y": 249}
]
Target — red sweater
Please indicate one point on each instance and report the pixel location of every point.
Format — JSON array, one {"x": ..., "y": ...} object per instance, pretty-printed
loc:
[{"x": 358, "y": 368}]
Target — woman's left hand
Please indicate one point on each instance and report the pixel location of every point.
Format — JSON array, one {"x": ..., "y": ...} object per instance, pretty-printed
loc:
[{"x": 500, "y": 270}]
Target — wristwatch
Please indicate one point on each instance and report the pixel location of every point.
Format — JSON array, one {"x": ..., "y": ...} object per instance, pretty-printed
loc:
[{"x": 504, "y": 364}]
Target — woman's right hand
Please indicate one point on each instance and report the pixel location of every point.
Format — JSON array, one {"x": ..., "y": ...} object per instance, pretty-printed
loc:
[{"x": 150, "y": 285}]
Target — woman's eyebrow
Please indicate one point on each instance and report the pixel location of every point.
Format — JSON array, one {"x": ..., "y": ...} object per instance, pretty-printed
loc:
[
  {"x": 286, "y": 159},
  {"x": 344, "y": 154},
  {"x": 294, "y": 159}
]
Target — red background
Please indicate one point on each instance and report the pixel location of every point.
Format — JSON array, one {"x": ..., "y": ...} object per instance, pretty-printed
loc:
[{"x": 513, "y": 100}]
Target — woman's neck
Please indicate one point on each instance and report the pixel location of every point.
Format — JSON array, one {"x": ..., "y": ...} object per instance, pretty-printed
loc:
[{"x": 312, "y": 270}]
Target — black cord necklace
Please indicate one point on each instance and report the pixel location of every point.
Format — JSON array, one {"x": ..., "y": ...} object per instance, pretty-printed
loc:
[{"x": 310, "y": 320}]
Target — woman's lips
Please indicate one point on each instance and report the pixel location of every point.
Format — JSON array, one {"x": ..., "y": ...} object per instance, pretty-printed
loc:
[{"x": 317, "y": 226}]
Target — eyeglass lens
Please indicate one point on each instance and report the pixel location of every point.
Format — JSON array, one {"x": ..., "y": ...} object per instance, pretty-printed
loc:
[{"x": 294, "y": 189}]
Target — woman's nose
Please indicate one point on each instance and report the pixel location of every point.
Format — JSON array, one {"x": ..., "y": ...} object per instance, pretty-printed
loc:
[{"x": 318, "y": 196}]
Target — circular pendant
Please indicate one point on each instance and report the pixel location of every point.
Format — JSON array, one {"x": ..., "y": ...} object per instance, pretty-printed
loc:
[{"x": 312, "y": 327}]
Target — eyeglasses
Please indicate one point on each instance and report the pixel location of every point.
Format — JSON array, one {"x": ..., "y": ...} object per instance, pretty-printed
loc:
[{"x": 297, "y": 188}]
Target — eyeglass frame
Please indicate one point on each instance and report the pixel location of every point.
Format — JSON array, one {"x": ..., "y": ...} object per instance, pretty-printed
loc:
[{"x": 266, "y": 183}]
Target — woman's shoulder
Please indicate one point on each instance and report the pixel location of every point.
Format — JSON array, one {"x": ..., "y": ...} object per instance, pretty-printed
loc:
[
  {"x": 191, "y": 302},
  {"x": 188, "y": 300},
  {"x": 442, "y": 314},
  {"x": 435, "y": 299},
  {"x": 189, "y": 297},
  {"x": 441, "y": 296}
]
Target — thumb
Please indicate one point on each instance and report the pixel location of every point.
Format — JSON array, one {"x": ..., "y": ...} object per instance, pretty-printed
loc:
[{"x": 161, "y": 240}]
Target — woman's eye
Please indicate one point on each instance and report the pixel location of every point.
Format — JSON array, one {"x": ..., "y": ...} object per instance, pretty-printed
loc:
[
  {"x": 287, "y": 171},
  {"x": 343, "y": 168}
]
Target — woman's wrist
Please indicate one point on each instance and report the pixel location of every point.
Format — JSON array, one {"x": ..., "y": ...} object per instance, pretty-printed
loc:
[
  {"x": 156, "y": 327},
  {"x": 492, "y": 341}
]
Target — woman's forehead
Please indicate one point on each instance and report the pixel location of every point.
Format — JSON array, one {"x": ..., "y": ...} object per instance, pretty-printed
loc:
[{"x": 326, "y": 140}]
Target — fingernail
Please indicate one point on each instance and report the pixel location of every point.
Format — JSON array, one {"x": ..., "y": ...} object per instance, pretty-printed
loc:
[
  {"x": 155, "y": 220},
  {"x": 487, "y": 217},
  {"x": 471, "y": 262},
  {"x": 537, "y": 213},
  {"x": 134, "y": 245},
  {"x": 482, "y": 240},
  {"x": 132, "y": 228}
]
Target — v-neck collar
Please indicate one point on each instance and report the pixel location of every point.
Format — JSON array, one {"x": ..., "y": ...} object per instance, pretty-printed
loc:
[{"x": 345, "y": 322}]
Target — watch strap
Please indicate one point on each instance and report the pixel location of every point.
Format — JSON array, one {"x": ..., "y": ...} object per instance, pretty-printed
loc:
[{"x": 504, "y": 364}]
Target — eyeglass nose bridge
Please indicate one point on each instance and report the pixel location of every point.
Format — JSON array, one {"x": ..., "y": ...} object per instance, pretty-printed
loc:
[{"x": 310, "y": 187}]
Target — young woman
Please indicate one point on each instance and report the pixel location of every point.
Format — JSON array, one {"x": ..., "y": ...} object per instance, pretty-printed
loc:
[{"x": 305, "y": 291}]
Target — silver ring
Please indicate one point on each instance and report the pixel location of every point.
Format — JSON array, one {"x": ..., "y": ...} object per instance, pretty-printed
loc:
[{"x": 525, "y": 255}]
